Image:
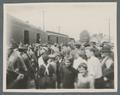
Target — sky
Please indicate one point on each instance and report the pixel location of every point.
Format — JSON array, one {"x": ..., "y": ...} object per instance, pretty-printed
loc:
[{"x": 68, "y": 18}]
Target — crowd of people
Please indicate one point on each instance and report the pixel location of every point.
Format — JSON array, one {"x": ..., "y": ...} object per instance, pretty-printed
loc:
[{"x": 60, "y": 66}]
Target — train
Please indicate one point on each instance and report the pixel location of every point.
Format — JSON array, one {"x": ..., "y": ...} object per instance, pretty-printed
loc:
[
  {"x": 59, "y": 38},
  {"x": 20, "y": 31}
]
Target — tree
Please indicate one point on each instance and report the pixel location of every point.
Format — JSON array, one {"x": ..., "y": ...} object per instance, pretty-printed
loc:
[{"x": 84, "y": 36}]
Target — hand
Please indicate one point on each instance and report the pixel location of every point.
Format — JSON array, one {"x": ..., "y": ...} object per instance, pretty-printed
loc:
[
  {"x": 105, "y": 79},
  {"x": 16, "y": 70},
  {"x": 20, "y": 76}
]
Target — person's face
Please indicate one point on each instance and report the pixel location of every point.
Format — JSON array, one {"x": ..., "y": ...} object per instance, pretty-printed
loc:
[
  {"x": 42, "y": 51},
  {"x": 45, "y": 58},
  {"x": 88, "y": 53},
  {"x": 25, "y": 51},
  {"x": 82, "y": 51},
  {"x": 76, "y": 55},
  {"x": 82, "y": 70},
  {"x": 67, "y": 63}
]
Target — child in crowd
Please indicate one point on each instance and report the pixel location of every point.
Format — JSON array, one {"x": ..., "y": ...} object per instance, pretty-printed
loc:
[
  {"x": 68, "y": 74},
  {"x": 83, "y": 79}
]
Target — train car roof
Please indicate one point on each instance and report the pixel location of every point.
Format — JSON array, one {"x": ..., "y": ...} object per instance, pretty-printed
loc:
[
  {"x": 21, "y": 21},
  {"x": 54, "y": 33}
]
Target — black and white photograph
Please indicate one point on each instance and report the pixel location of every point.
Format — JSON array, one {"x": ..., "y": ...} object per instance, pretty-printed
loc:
[{"x": 60, "y": 47}]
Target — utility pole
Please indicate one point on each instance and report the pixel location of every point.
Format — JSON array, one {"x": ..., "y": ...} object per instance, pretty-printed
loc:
[
  {"x": 43, "y": 20},
  {"x": 109, "y": 29}
]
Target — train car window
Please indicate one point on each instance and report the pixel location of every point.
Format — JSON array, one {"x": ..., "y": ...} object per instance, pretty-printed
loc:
[
  {"x": 56, "y": 39},
  {"x": 26, "y": 37},
  {"x": 38, "y": 37}
]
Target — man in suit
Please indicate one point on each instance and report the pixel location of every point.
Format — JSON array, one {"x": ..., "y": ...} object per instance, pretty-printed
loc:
[
  {"x": 107, "y": 66},
  {"x": 16, "y": 70}
]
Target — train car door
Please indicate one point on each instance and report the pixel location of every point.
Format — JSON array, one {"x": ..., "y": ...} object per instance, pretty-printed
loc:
[
  {"x": 48, "y": 38},
  {"x": 26, "y": 37},
  {"x": 38, "y": 40}
]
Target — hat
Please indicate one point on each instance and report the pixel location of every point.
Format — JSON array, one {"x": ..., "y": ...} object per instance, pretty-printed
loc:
[
  {"x": 84, "y": 65},
  {"x": 93, "y": 49},
  {"x": 70, "y": 58},
  {"x": 106, "y": 49},
  {"x": 86, "y": 44},
  {"x": 77, "y": 43},
  {"x": 12, "y": 46},
  {"x": 52, "y": 56},
  {"x": 44, "y": 45},
  {"x": 22, "y": 47}
]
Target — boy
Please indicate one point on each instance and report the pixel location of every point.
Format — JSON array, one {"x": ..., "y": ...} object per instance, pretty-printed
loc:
[
  {"x": 68, "y": 74},
  {"x": 94, "y": 67}
]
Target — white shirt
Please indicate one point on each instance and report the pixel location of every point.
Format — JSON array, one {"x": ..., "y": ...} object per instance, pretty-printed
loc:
[
  {"x": 77, "y": 62},
  {"x": 40, "y": 61},
  {"x": 94, "y": 67}
]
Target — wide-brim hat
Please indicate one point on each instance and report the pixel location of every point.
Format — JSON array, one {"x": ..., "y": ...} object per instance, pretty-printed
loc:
[
  {"x": 22, "y": 47},
  {"x": 84, "y": 65},
  {"x": 106, "y": 49},
  {"x": 52, "y": 56}
]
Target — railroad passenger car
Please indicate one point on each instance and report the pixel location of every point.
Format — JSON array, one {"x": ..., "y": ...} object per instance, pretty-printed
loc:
[
  {"x": 20, "y": 31},
  {"x": 59, "y": 38}
]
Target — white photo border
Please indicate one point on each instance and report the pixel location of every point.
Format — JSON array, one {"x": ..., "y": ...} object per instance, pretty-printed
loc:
[{"x": 59, "y": 90}]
